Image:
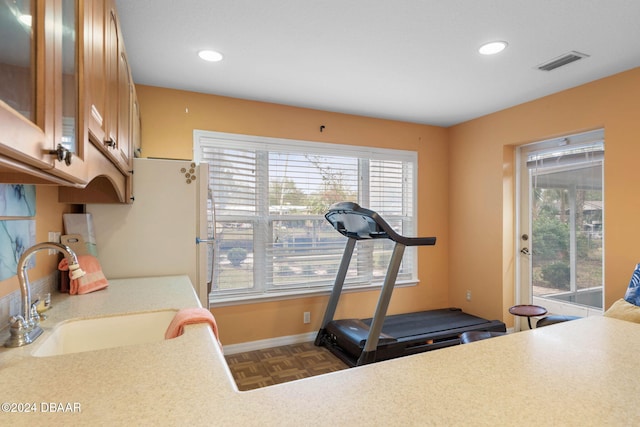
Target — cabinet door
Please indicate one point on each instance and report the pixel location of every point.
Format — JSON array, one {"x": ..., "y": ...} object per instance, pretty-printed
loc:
[
  {"x": 124, "y": 112},
  {"x": 135, "y": 135},
  {"x": 136, "y": 125},
  {"x": 22, "y": 73},
  {"x": 18, "y": 36},
  {"x": 118, "y": 80},
  {"x": 69, "y": 91},
  {"x": 112, "y": 54},
  {"x": 94, "y": 69}
]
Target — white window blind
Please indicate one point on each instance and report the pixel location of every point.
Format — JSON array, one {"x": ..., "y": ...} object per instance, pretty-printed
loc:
[{"x": 269, "y": 197}]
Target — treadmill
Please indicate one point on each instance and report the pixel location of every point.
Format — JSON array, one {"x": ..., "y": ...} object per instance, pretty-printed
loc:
[{"x": 359, "y": 342}]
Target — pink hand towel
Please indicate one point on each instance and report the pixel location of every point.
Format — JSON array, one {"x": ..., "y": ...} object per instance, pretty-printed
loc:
[
  {"x": 190, "y": 316},
  {"x": 93, "y": 280}
]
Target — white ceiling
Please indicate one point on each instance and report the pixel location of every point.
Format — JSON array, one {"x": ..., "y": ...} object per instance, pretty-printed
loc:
[{"x": 409, "y": 60}]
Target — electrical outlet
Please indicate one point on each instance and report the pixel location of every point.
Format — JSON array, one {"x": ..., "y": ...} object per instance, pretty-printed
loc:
[
  {"x": 307, "y": 317},
  {"x": 468, "y": 295},
  {"x": 54, "y": 236}
]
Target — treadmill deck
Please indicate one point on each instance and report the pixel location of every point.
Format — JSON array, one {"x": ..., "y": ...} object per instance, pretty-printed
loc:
[{"x": 404, "y": 334}]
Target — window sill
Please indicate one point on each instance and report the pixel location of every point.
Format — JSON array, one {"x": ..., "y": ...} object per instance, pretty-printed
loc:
[{"x": 217, "y": 301}]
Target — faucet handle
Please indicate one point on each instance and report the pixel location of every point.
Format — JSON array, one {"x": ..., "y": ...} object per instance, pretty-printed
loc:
[
  {"x": 34, "y": 316},
  {"x": 17, "y": 322},
  {"x": 21, "y": 332}
]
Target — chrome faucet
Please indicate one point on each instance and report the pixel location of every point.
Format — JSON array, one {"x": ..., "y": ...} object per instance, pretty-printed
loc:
[{"x": 25, "y": 326}]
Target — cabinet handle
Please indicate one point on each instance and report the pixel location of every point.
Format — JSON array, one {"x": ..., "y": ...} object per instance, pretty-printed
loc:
[
  {"x": 67, "y": 158},
  {"x": 110, "y": 143},
  {"x": 62, "y": 154}
]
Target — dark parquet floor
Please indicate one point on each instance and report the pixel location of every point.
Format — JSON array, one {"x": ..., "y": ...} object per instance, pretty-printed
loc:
[{"x": 262, "y": 368}]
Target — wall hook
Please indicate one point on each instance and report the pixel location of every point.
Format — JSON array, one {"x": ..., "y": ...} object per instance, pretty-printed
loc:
[{"x": 322, "y": 128}]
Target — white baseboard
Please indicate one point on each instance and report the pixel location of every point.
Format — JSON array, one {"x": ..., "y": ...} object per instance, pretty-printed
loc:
[{"x": 269, "y": 343}]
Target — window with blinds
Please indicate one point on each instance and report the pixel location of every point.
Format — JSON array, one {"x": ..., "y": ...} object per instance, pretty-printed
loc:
[{"x": 268, "y": 200}]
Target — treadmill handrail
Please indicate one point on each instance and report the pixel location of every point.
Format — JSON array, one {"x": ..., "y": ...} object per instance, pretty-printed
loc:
[{"x": 347, "y": 218}]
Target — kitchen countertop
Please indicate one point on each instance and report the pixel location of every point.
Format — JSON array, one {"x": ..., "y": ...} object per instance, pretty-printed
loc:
[{"x": 575, "y": 373}]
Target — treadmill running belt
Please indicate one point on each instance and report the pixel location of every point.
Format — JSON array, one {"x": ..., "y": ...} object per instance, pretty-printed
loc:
[
  {"x": 427, "y": 322},
  {"x": 402, "y": 334}
]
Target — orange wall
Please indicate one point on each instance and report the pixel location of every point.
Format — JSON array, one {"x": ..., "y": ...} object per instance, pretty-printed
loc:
[
  {"x": 481, "y": 209},
  {"x": 466, "y": 190},
  {"x": 168, "y": 120},
  {"x": 48, "y": 218}
]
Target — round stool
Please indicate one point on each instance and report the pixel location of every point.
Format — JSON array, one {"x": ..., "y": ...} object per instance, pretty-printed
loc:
[{"x": 528, "y": 311}]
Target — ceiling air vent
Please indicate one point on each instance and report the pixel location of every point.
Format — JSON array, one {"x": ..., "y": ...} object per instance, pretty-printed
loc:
[{"x": 565, "y": 59}]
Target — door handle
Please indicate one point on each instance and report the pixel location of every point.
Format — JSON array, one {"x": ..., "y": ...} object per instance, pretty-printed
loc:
[
  {"x": 199, "y": 240},
  {"x": 209, "y": 242},
  {"x": 525, "y": 251}
]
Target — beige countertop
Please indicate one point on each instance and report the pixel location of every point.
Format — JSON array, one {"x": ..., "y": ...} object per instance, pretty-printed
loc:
[{"x": 576, "y": 373}]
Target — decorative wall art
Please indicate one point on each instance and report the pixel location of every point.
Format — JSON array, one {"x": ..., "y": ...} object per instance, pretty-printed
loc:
[
  {"x": 15, "y": 237},
  {"x": 17, "y": 200}
]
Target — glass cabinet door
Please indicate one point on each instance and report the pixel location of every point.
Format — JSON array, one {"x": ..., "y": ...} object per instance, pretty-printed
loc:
[
  {"x": 69, "y": 137},
  {"x": 17, "y": 56},
  {"x": 68, "y": 31}
]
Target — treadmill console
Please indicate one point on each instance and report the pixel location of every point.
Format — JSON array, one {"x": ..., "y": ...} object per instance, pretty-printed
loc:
[
  {"x": 353, "y": 221},
  {"x": 359, "y": 223}
]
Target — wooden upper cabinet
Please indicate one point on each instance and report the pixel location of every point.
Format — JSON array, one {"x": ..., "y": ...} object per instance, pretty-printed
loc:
[
  {"x": 107, "y": 108},
  {"x": 31, "y": 107},
  {"x": 109, "y": 126},
  {"x": 66, "y": 95}
]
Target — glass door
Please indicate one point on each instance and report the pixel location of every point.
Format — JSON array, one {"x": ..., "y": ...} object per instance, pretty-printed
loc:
[
  {"x": 561, "y": 224},
  {"x": 69, "y": 64},
  {"x": 17, "y": 56}
]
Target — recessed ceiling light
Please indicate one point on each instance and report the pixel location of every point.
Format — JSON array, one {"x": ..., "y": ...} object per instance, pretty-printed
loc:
[
  {"x": 492, "y": 48},
  {"x": 210, "y": 55}
]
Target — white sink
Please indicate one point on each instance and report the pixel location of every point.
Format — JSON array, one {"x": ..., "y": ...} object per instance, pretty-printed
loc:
[{"x": 79, "y": 335}]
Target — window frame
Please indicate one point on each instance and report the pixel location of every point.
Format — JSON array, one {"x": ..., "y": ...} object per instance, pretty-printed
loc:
[{"x": 408, "y": 158}]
